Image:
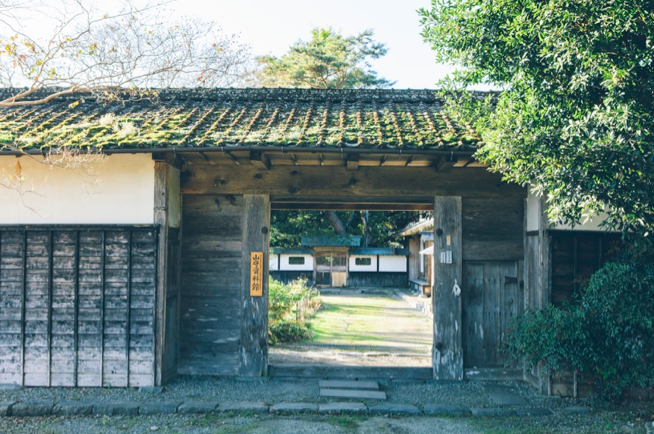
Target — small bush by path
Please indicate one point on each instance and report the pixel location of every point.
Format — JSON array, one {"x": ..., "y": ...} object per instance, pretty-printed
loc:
[{"x": 289, "y": 308}]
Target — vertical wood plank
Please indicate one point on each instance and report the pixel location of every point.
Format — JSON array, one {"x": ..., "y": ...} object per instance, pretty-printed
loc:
[
  {"x": 544, "y": 253},
  {"x": 544, "y": 289},
  {"x": 76, "y": 311},
  {"x": 253, "y": 349},
  {"x": 448, "y": 346},
  {"x": 128, "y": 311},
  {"x": 49, "y": 307},
  {"x": 102, "y": 295},
  {"x": 23, "y": 298},
  {"x": 161, "y": 169}
]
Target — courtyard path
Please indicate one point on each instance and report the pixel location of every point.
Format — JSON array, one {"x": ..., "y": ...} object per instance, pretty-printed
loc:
[{"x": 362, "y": 329}]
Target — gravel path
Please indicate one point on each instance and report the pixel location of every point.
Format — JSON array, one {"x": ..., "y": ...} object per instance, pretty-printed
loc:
[{"x": 314, "y": 424}]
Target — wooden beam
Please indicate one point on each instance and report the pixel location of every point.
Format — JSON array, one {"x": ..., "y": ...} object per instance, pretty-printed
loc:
[
  {"x": 447, "y": 266},
  {"x": 172, "y": 159},
  {"x": 463, "y": 162},
  {"x": 259, "y": 160},
  {"x": 353, "y": 206},
  {"x": 253, "y": 352},
  {"x": 445, "y": 163},
  {"x": 353, "y": 163},
  {"x": 334, "y": 181},
  {"x": 231, "y": 157}
]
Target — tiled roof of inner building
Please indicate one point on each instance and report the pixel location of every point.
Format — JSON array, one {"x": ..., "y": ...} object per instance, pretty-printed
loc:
[{"x": 240, "y": 117}]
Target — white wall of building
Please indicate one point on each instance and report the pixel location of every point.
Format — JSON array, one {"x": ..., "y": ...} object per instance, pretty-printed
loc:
[
  {"x": 116, "y": 189},
  {"x": 533, "y": 212},
  {"x": 274, "y": 262},
  {"x": 371, "y": 267},
  {"x": 392, "y": 264},
  {"x": 533, "y": 217},
  {"x": 285, "y": 266}
]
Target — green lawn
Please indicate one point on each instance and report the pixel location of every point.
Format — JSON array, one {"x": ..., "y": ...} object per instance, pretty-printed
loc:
[{"x": 369, "y": 320}]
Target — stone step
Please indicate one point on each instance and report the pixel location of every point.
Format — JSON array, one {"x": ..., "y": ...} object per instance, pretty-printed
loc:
[
  {"x": 345, "y": 384},
  {"x": 353, "y": 394}
]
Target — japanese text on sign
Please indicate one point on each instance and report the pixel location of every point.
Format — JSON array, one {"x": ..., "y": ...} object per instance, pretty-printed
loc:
[{"x": 256, "y": 274}]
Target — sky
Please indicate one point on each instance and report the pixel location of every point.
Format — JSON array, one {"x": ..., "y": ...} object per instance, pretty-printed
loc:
[{"x": 272, "y": 26}]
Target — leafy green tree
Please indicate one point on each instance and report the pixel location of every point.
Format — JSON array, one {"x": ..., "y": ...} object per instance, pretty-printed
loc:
[
  {"x": 574, "y": 119},
  {"x": 328, "y": 61},
  {"x": 289, "y": 226}
]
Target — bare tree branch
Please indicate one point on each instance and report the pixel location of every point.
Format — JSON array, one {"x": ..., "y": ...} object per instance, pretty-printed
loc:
[{"x": 108, "y": 52}]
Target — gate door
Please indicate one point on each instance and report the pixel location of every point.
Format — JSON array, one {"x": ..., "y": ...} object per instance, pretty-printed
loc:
[
  {"x": 490, "y": 299},
  {"x": 331, "y": 267}
]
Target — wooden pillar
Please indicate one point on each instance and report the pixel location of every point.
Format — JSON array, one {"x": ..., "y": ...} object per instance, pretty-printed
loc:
[
  {"x": 544, "y": 255},
  {"x": 413, "y": 245},
  {"x": 447, "y": 271},
  {"x": 544, "y": 290},
  {"x": 161, "y": 202},
  {"x": 253, "y": 351}
]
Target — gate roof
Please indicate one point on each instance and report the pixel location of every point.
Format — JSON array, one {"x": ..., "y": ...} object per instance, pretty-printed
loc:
[{"x": 240, "y": 118}]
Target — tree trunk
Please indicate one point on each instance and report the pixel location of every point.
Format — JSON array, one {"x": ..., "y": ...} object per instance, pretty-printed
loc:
[
  {"x": 367, "y": 235},
  {"x": 336, "y": 222}
]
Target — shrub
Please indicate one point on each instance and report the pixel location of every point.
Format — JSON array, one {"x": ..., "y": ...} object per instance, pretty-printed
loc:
[
  {"x": 607, "y": 334},
  {"x": 289, "y": 308}
]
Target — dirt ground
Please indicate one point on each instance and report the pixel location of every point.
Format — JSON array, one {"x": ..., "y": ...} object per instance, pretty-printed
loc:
[{"x": 369, "y": 327}]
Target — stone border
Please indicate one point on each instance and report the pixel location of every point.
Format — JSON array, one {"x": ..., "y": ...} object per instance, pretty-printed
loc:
[{"x": 111, "y": 408}]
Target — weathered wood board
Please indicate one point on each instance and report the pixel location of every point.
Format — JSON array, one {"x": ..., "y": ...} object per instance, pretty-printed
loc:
[
  {"x": 286, "y": 183},
  {"x": 491, "y": 298},
  {"x": 211, "y": 290},
  {"x": 447, "y": 350},
  {"x": 77, "y": 306}
]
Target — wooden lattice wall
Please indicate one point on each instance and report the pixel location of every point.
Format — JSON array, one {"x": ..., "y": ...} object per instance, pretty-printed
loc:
[{"x": 77, "y": 305}]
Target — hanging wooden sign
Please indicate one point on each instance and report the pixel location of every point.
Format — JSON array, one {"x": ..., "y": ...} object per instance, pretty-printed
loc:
[{"x": 256, "y": 274}]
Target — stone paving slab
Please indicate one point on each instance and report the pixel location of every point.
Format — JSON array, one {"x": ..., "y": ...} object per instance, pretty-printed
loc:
[
  {"x": 154, "y": 390},
  {"x": 10, "y": 387},
  {"x": 576, "y": 409},
  {"x": 117, "y": 408},
  {"x": 492, "y": 412},
  {"x": 197, "y": 407},
  {"x": 352, "y": 394},
  {"x": 73, "y": 408},
  {"x": 32, "y": 408},
  {"x": 5, "y": 408},
  {"x": 388, "y": 408},
  {"x": 533, "y": 412},
  {"x": 343, "y": 407},
  {"x": 345, "y": 384},
  {"x": 293, "y": 407},
  {"x": 249, "y": 407},
  {"x": 159, "y": 407},
  {"x": 503, "y": 398},
  {"x": 447, "y": 410}
]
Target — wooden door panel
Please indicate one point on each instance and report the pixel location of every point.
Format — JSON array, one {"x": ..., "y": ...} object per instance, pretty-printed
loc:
[{"x": 490, "y": 299}]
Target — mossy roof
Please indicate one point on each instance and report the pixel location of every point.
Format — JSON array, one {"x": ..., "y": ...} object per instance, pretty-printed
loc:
[{"x": 240, "y": 118}]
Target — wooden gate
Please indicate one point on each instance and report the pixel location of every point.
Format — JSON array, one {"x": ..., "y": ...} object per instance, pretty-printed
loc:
[
  {"x": 331, "y": 267},
  {"x": 490, "y": 299}
]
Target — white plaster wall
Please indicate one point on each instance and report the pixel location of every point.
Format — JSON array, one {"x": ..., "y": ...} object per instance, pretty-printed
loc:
[
  {"x": 533, "y": 217},
  {"x": 274, "y": 262},
  {"x": 392, "y": 263},
  {"x": 371, "y": 267},
  {"x": 285, "y": 266},
  {"x": 590, "y": 225},
  {"x": 533, "y": 212},
  {"x": 117, "y": 189}
]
